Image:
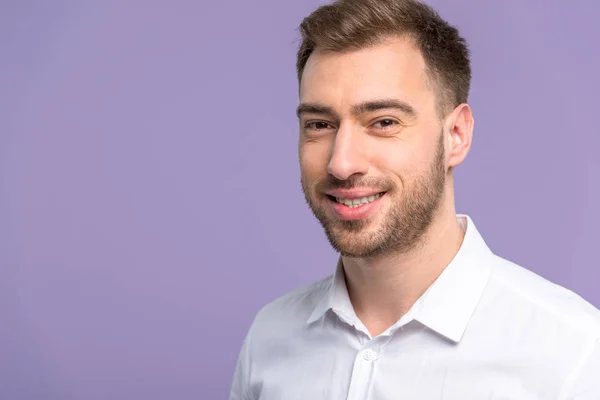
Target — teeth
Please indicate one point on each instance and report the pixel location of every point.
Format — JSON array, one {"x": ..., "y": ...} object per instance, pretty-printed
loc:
[{"x": 352, "y": 203}]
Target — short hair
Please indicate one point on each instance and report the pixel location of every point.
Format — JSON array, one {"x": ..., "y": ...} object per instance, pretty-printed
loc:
[{"x": 350, "y": 25}]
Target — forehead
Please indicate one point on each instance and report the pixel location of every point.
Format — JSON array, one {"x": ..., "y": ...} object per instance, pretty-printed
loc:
[{"x": 392, "y": 69}]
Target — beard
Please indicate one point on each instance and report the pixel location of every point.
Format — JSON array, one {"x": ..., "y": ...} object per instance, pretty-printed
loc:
[{"x": 405, "y": 222}]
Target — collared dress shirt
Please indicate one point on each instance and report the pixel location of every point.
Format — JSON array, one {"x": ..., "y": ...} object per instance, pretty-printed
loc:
[{"x": 486, "y": 329}]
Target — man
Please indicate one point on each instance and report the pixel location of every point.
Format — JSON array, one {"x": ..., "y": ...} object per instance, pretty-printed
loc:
[{"x": 418, "y": 307}]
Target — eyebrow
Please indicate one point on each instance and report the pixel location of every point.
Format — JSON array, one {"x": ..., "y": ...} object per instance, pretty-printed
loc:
[
  {"x": 314, "y": 108},
  {"x": 357, "y": 109}
]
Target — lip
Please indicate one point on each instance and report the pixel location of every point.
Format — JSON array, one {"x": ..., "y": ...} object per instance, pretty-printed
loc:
[
  {"x": 363, "y": 211},
  {"x": 352, "y": 193}
]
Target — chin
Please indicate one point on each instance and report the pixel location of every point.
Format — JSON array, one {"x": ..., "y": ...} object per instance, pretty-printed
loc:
[
  {"x": 363, "y": 251},
  {"x": 360, "y": 243}
]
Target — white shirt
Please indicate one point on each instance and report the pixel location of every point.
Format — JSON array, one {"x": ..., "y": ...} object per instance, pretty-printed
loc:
[{"x": 486, "y": 329}]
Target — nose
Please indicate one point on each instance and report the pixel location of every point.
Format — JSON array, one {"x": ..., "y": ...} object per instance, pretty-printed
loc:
[{"x": 348, "y": 154}]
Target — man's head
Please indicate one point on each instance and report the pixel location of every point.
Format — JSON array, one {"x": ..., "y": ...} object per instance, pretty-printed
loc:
[
  {"x": 383, "y": 120},
  {"x": 349, "y": 25}
]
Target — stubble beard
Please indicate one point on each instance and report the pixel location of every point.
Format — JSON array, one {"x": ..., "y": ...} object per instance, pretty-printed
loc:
[{"x": 401, "y": 229}]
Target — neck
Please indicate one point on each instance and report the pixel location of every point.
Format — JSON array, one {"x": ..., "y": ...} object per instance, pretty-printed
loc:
[{"x": 383, "y": 289}]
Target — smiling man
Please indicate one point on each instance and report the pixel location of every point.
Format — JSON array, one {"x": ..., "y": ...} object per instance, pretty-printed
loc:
[{"x": 418, "y": 306}]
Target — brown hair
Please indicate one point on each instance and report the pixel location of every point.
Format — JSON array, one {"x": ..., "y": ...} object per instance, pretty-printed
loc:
[{"x": 347, "y": 25}]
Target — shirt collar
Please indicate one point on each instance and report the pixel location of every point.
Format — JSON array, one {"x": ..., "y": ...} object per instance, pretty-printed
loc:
[
  {"x": 447, "y": 306},
  {"x": 449, "y": 303},
  {"x": 335, "y": 298}
]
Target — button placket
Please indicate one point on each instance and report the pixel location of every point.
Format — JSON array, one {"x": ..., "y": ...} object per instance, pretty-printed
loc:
[
  {"x": 370, "y": 355},
  {"x": 362, "y": 373}
]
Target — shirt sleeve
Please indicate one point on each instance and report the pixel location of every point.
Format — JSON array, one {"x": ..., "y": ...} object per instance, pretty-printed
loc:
[
  {"x": 240, "y": 384},
  {"x": 586, "y": 383}
]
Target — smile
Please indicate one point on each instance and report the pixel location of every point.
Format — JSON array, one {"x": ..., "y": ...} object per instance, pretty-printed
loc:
[{"x": 353, "y": 203}]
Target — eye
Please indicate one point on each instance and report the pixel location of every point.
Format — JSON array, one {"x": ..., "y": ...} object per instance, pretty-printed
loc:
[
  {"x": 317, "y": 125},
  {"x": 385, "y": 123}
]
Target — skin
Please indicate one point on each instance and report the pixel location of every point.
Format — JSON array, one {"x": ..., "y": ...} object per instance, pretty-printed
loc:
[{"x": 398, "y": 144}]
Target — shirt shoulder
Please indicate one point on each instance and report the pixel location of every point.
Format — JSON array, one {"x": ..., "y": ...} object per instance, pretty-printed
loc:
[
  {"x": 294, "y": 308},
  {"x": 542, "y": 301}
]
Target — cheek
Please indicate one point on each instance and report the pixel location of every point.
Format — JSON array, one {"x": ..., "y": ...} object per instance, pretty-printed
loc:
[
  {"x": 314, "y": 158},
  {"x": 395, "y": 157},
  {"x": 402, "y": 162}
]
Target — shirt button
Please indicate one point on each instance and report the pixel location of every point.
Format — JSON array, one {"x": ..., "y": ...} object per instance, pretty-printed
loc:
[{"x": 369, "y": 355}]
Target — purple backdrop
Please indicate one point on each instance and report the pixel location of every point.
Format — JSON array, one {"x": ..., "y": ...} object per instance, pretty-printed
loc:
[{"x": 149, "y": 188}]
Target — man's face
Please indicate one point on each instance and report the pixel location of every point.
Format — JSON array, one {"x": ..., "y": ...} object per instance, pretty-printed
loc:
[{"x": 371, "y": 148}]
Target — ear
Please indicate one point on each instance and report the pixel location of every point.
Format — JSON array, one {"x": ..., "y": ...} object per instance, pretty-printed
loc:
[{"x": 459, "y": 125}]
